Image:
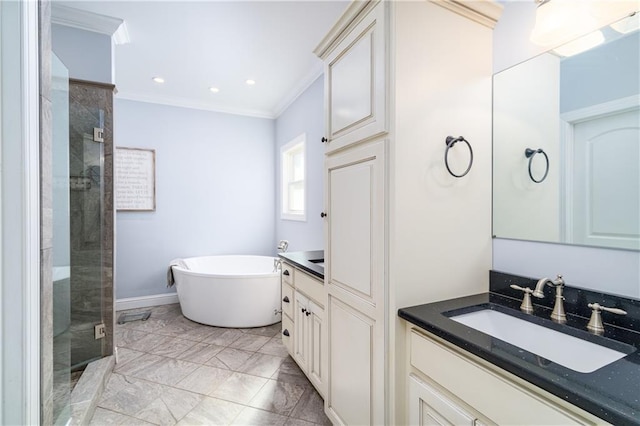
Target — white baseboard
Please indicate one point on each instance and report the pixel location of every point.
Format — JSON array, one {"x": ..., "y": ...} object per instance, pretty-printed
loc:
[{"x": 146, "y": 301}]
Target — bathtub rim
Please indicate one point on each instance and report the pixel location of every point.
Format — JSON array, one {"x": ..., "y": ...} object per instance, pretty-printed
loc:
[{"x": 243, "y": 275}]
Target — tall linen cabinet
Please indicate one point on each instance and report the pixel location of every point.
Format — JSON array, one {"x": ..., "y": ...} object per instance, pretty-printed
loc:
[{"x": 400, "y": 230}]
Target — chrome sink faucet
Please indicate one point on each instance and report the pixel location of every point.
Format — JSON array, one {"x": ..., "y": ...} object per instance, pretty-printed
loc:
[{"x": 558, "y": 315}]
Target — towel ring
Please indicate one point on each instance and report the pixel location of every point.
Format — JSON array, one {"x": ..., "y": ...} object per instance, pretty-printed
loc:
[
  {"x": 451, "y": 141},
  {"x": 530, "y": 153}
]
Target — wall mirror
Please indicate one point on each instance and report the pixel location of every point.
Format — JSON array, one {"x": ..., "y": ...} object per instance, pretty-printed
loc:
[{"x": 566, "y": 143}]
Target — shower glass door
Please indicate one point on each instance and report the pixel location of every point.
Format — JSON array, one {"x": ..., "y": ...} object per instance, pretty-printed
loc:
[{"x": 86, "y": 185}]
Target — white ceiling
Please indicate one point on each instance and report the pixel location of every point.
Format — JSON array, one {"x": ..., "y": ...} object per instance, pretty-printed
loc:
[{"x": 194, "y": 45}]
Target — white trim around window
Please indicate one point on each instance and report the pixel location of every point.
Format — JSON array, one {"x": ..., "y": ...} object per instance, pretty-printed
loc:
[{"x": 293, "y": 179}]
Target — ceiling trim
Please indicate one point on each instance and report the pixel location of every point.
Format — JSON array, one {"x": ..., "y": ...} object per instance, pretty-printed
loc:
[
  {"x": 115, "y": 28},
  {"x": 298, "y": 89},
  {"x": 485, "y": 12},
  {"x": 187, "y": 103}
]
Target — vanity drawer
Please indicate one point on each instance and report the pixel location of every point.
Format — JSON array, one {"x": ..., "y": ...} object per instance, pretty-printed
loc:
[
  {"x": 311, "y": 287},
  {"x": 287, "y": 333},
  {"x": 287, "y": 300},
  {"x": 287, "y": 273},
  {"x": 496, "y": 396}
]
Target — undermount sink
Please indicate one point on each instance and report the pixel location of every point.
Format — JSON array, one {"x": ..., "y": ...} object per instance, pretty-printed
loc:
[
  {"x": 319, "y": 262},
  {"x": 569, "y": 351}
]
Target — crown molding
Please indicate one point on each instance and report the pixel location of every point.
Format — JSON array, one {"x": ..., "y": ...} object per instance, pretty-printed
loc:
[
  {"x": 485, "y": 12},
  {"x": 299, "y": 88},
  {"x": 115, "y": 28},
  {"x": 188, "y": 103},
  {"x": 354, "y": 13}
]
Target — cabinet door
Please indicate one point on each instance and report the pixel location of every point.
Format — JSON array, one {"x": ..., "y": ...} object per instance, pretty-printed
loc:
[
  {"x": 429, "y": 407},
  {"x": 301, "y": 341},
  {"x": 354, "y": 277},
  {"x": 316, "y": 356},
  {"x": 355, "y": 81}
]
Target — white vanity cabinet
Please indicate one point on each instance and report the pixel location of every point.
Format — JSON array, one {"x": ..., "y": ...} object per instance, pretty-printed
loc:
[
  {"x": 304, "y": 316},
  {"x": 448, "y": 385}
]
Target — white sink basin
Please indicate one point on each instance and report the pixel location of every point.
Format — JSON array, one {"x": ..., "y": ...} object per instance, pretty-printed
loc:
[{"x": 569, "y": 351}]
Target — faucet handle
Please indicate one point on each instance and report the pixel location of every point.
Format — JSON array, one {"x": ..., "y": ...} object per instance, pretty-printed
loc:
[
  {"x": 595, "y": 322},
  {"x": 526, "y": 306}
]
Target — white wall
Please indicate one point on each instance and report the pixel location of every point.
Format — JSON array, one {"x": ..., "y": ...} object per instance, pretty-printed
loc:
[
  {"x": 613, "y": 271},
  {"x": 305, "y": 115},
  {"x": 214, "y": 191},
  {"x": 86, "y": 54}
]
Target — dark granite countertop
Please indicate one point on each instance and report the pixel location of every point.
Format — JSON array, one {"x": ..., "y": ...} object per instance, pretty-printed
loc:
[
  {"x": 611, "y": 393},
  {"x": 307, "y": 261}
]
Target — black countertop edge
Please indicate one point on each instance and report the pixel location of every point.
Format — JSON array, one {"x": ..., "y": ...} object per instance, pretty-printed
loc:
[
  {"x": 609, "y": 393},
  {"x": 303, "y": 260}
]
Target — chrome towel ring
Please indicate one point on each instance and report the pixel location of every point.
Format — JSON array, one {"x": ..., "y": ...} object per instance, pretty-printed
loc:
[
  {"x": 451, "y": 141},
  {"x": 530, "y": 153}
]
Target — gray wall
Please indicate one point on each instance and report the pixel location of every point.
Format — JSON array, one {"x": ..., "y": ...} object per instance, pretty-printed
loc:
[
  {"x": 613, "y": 271},
  {"x": 214, "y": 191},
  {"x": 305, "y": 115},
  {"x": 86, "y": 54}
]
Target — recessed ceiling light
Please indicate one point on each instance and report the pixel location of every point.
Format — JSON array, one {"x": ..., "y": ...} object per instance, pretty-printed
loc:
[
  {"x": 214, "y": 89},
  {"x": 158, "y": 79},
  {"x": 250, "y": 82}
]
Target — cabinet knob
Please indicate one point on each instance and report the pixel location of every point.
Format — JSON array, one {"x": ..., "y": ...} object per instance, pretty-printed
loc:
[
  {"x": 307, "y": 313},
  {"x": 323, "y": 214},
  {"x": 304, "y": 310},
  {"x": 286, "y": 332},
  {"x": 286, "y": 299},
  {"x": 285, "y": 272},
  {"x": 323, "y": 140}
]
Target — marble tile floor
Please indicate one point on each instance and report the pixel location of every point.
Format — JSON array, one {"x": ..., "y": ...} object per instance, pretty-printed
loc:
[{"x": 171, "y": 370}]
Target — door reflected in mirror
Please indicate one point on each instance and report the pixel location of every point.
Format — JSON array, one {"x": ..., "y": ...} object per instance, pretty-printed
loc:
[{"x": 583, "y": 113}]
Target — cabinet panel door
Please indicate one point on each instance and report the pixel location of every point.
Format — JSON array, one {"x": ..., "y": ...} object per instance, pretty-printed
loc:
[
  {"x": 355, "y": 78},
  {"x": 300, "y": 343},
  {"x": 316, "y": 357},
  {"x": 355, "y": 198},
  {"x": 427, "y": 406},
  {"x": 350, "y": 365}
]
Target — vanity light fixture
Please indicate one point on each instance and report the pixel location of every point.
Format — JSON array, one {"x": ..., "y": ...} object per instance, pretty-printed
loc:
[
  {"x": 250, "y": 82},
  {"x": 628, "y": 25},
  {"x": 159, "y": 80},
  {"x": 581, "y": 44},
  {"x": 558, "y": 21},
  {"x": 214, "y": 89}
]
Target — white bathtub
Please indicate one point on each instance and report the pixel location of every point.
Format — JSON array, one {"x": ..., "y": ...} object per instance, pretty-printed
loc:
[{"x": 229, "y": 291}]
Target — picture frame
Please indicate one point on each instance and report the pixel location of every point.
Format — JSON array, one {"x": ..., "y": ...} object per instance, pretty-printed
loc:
[{"x": 135, "y": 179}]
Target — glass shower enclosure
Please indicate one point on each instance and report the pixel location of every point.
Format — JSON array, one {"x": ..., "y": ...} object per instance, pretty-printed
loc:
[{"x": 82, "y": 231}]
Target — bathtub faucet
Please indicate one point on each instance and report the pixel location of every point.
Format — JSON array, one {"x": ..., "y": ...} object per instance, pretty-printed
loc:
[
  {"x": 283, "y": 245},
  {"x": 277, "y": 264}
]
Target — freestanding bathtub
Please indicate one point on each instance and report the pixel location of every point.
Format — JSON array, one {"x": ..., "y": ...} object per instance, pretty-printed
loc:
[{"x": 229, "y": 291}]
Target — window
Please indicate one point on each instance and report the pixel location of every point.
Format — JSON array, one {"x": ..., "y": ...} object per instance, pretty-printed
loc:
[{"x": 293, "y": 165}]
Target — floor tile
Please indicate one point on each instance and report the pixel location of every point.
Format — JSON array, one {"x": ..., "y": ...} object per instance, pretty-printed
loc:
[
  {"x": 148, "y": 342},
  {"x": 297, "y": 422},
  {"x": 249, "y": 342},
  {"x": 230, "y": 358},
  {"x": 173, "y": 347},
  {"x": 103, "y": 417},
  {"x": 239, "y": 387},
  {"x": 171, "y": 406},
  {"x": 278, "y": 397},
  {"x": 166, "y": 371},
  {"x": 223, "y": 336},
  {"x": 268, "y": 331},
  {"x": 274, "y": 347},
  {"x": 204, "y": 379},
  {"x": 125, "y": 355},
  {"x": 253, "y": 416},
  {"x": 134, "y": 396},
  {"x": 200, "y": 353},
  {"x": 211, "y": 411},
  {"x": 262, "y": 365},
  {"x": 310, "y": 407}
]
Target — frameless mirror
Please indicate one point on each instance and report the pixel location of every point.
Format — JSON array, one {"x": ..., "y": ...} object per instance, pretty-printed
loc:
[{"x": 566, "y": 143}]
